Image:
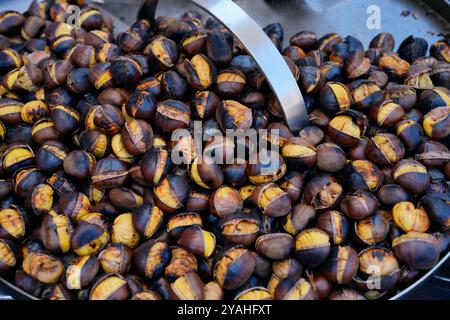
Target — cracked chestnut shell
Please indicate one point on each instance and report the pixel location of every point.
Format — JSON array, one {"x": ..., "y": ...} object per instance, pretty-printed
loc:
[
  {"x": 410, "y": 133},
  {"x": 155, "y": 165},
  {"x": 171, "y": 193},
  {"x": 393, "y": 65},
  {"x": 110, "y": 286},
  {"x": 189, "y": 286},
  {"x": 292, "y": 183},
  {"x": 41, "y": 199},
  {"x": 271, "y": 200},
  {"x": 363, "y": 174},
  {"x": 372, "y": 230},
  {"x": 334, "y": 97},
  {"x": 323, "y": 192},
  {"x": 81, "y": 272},
  {"x": 224, "y": 201},
  {"x": 198, "y": 241},
  {"x": 56, "y": 231},
  {"x": 75, "y": 205},
  {"x": 181, "y": 262},
  {"x": 436, "y": 123},
  {"x": 409, "y": 218},
  {"x": 137, "y": 136},
  {"x": 275, "y": 246},
  {"x": 385, "y": 149},
  {"x": 43, "y": 267},
  {"x": 178, "y": 223},
  {"x": 366, "y": 94},
  {"x": 294, "y": 288},
  {"x": 9, "y": 255},
  {"x": 412, "y": 176},
  {"x": 420, "y": 251},
  {"x": 26, "y": 180},
  {"x": 15, "y": 222},
  {"x": 240, "y": 228},
  {"x": 341, "y": 265},
  {"x": 123, "y": 231},
  {"x": 172, "y": 115},
  {"x": 100, "y": 76},
  {"x": 298, "y": 218},
  {"x": 347, "y": 128},
  {"x": 387, "y": 113},
  {"x": 206, "y": 173},
  {"x": 231, "y": 114},
  {"x": 88, "y": 239},
  {"x": 359, "y": 205},
  {"x": 151, "y": 257},
  {"x": 300, "y": 154},
  {"x": 141, "y": 105},
  {"x": 312, "y": 247},
  {"x": 335, "y": 224},
  {"x": 377, "y": 262},
  {"x": 163, "y": 52},
  {"x": 147, "y": 219},
  {"x": 234, "y": 267},
  {"x": 230, "y": 83},
  {"x": 117, "y": 258},
  {"x": 199, "y": 71},
  {"x": 126, "y": 71},
  {"x": 109, "y": 173},
  {"x": 269, "y": 167},
  {"x": 16, "y": 157}
]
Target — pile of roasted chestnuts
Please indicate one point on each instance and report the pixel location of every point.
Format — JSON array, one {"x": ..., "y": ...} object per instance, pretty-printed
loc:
[{"x": 92, "y": 205}]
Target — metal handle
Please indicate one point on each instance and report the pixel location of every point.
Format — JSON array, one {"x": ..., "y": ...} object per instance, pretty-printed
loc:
[{"x": 259, "y": 46}]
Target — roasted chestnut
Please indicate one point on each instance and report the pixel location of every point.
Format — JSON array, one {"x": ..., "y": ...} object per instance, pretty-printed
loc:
[
  {"x": 236, "y": 258},
  {"x": 312, "y": 247},
  {"x": 341, "y": 265},
  {"x": 116, "y": 258},
  {"x": 81, "y": 272},
  {"x": 419, "y": 251},
  {"x": 412, "y": 176},
  {"x": 271, "y": 200}
]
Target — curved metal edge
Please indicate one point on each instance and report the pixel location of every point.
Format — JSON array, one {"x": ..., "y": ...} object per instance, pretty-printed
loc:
[
  {"x": 426, "y": 276},
  {"x": 15, "y": 293},
  {"x": 261, "y": 48}
]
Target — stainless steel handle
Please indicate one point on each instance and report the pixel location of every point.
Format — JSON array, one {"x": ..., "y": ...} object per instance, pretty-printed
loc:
[{"x": 259, "y": 46}]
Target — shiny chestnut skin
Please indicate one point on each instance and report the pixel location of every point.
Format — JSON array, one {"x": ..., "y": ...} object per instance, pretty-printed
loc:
[
  {"x": 151, "y": 268},
  {"x": 412, "y": 176},
  {"x": 235, "y": 258},
  {"x": 323, "y": 192},
  {"x": 312, "y": 247},
  {"x": 109, "y": 173},
  {"x": 330, "y": 157},
  {"x": 275, "y": 246},
  {"x": 300, "y": 216},
  {"x": 335, "y": 224},
  {"x": 437, "y": 207},
  {"x": 385, "y": 149},
  {"x": 141, "y": 105},
  {"x": 79, "y": 164},
  {"x": 155, "y": 165},
  {"x": 390, "y": 194},
  {"x": 359, "y": 204},
  {"x": 341, "y": 265},
  {"x": 171, "y": 193},
  {"x": 418, "y": 250},
  {"x": 363, "y": 174},
  {"x": 102, "y": 290}
]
